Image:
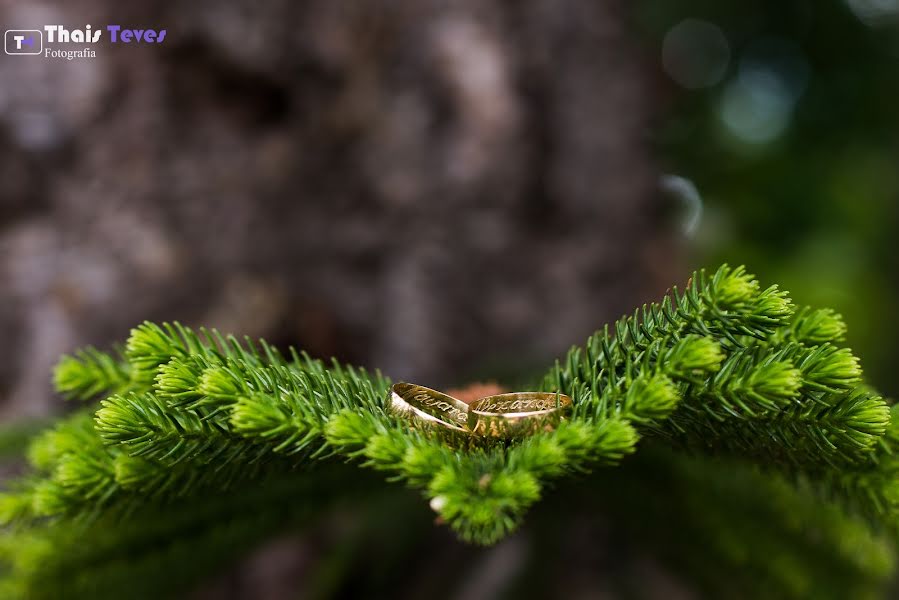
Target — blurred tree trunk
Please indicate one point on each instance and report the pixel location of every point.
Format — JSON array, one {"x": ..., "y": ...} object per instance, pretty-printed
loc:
[{"x": 432, "y": 188}]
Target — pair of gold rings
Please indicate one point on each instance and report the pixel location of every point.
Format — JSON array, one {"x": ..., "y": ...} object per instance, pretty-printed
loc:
[{"x": 517, "y": 414}]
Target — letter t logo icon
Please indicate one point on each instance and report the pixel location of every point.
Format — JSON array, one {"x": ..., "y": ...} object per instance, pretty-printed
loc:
[{"x": 23, "y": 41}]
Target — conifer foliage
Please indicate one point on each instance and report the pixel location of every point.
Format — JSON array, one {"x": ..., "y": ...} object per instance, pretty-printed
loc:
[{"x": 723, "y": 370}]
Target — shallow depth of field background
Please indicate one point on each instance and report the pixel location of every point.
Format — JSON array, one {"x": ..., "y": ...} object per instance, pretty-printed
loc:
[{"x": 446, "y": 193}]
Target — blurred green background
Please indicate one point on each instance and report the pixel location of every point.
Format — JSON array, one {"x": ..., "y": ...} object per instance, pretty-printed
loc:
[{"x": 785, "y": 116}]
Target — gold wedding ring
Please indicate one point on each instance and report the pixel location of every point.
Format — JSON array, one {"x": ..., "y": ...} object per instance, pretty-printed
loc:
[
  {"x": 517, "y": 414},
  {"x": 429, "y": 407}
]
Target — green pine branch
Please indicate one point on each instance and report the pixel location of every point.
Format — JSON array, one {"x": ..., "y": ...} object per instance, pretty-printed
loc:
[
  {"x": 163, "y": 551},
  {"x": 737, "y": 532},
  {"x": 90, "y": 373},
  {"x": 723, "y": 367}
]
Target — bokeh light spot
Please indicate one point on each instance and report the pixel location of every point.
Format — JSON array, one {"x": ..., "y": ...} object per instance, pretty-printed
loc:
[
  {"x": 695, "y": 53},
  {"x": 757, "y": 105},
  {"x": 874, "y": 12}
]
